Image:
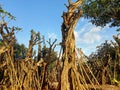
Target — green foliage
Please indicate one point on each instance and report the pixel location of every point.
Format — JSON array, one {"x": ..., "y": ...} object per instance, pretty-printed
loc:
[
  {"x": 117, "y": 39},
  {"x": 106, "y": 48},
  {"x": 47, "y": 55},
  {"x": 7, "y": 16},
  {"x": 1, "y": 42},
  {"x": 102, "y": 12},
  {"x": 4, "y": 13},
  {"x": 102, "y": 51},
  {"x": 15, "y": 28},
  {"x": 107, "y": 54},
  {"x": 20, "y": 51},
  {"x": 35, "y": 37}
]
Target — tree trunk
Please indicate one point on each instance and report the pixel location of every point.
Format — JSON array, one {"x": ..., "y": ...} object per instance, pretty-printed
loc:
[{"x": 70, "y": 18}]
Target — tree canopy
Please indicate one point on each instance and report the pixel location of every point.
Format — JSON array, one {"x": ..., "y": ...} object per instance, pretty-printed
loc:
[
  {"x": 102, "y": 12},
  {"x": 103, "y": 50},
  {"x": 4, "y": 13}
]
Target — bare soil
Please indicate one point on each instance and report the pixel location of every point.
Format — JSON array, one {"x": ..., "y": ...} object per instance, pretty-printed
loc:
[{"x": 104, "y": 87}]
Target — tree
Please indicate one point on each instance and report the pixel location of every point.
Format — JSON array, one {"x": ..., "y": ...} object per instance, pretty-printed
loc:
[
  {"x": 47, "y": 55},
  {"x": 20, "y": 51},
  {"x": 1, "y": 42},
  {"x": 102, "y": 12},
  {"x": 106, "y": 48},
  {"x": 106, "y": 61},
  {"x": 69, "y": 79},
  {"x": 4, "y": 14},
  {"x": 34, "y": 39}
]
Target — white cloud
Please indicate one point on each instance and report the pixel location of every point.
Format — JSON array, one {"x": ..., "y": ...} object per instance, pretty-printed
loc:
[
  {"x": 88, "y": 38},
  {"x": 78, "y": 34},
  {"x": 82, "y": 19},
  {"x": 88, "y": 34},
  {"x": 92, "y": 36},
  {"x": 52, "y": 35},
  {"x": 95, "y": 29}
]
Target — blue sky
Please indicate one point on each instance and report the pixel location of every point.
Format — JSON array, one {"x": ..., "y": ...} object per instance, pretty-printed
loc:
[{"x": 45, "y": 16}]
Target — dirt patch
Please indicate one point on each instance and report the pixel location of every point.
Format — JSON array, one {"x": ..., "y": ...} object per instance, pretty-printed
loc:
[{"x": 104, "y": 87}]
